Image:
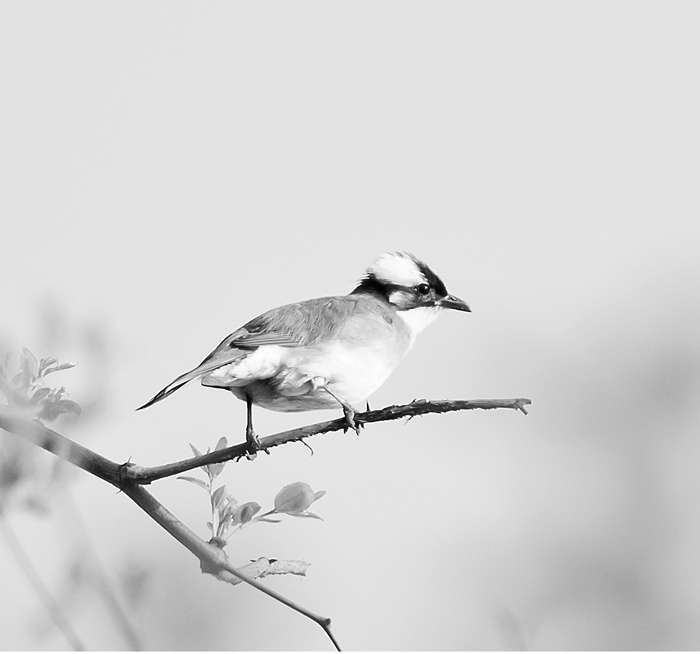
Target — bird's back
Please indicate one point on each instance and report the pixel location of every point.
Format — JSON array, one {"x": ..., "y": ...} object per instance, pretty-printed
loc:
[
  {"x": 335, "y": 338},
  {"x": 318, "y": 319}
]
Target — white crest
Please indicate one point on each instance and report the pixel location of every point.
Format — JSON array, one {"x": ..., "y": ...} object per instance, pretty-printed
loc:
[{"x": 398, "y": 268}]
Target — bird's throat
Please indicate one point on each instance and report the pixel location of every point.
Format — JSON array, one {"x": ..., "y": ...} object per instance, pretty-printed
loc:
[{"x": 417, "y": 319}]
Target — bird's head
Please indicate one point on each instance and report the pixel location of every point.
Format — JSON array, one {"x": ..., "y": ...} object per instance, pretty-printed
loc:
[{"x": 411, "y": 287}]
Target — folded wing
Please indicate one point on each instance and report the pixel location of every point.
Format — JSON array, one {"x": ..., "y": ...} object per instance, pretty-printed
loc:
[{"x": 287, "y": 326}]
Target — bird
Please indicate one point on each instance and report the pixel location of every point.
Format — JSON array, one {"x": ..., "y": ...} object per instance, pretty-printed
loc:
[{"x": 327, "y": 352}]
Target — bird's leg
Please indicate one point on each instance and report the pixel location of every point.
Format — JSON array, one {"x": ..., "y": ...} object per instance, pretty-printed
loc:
[
  {"x": 348, "y": 411},
  {"x": 251, "y": 437}
]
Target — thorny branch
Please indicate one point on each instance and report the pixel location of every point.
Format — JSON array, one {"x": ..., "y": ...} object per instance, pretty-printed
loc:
[
  {"x": 141, "y": 475},
  {"x": 213, "y": 559},
  {"x": 131, "y": 478}
]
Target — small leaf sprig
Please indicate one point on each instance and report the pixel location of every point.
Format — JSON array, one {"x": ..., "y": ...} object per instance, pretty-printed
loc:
[
  {"x": 295, "y": 500},
  {"x": 229, "y": 516},
  {"x": 28, "y": 390}
]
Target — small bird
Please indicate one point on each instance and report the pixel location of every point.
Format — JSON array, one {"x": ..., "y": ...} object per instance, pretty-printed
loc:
[{"x": 330, "y": 351}]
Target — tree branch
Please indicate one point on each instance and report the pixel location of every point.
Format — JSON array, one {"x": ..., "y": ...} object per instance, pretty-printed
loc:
[
  {"x": 130, "y": 478},
  {"x": 34, "y": 431},
  {"x": 143, "y": 475},
  {"x": 265, "y": 567},
  {"x": 213, "y": 559}
]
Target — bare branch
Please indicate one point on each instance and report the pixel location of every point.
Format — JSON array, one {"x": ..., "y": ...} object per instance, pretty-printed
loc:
[
  {"x": 13, "y": 421},
  {"x": 213, "y": 559},
  {"x": 130, "y": 478},
  {"x": 143, "y": 475},
  {"x": 265, "y": 567}
]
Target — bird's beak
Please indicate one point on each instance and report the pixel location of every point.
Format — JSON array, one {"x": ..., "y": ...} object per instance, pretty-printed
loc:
[{"x": 453, "y": 302}]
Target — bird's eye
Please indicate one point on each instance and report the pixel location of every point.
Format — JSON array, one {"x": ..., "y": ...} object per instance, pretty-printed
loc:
[{"x": 423, "y": 289}]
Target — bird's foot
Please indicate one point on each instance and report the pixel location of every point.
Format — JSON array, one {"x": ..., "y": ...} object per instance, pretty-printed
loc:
[
  {"x": 252, "y": 442},
  {"x": 351, "y": 423},
  {"x": 348, "y": 411}
]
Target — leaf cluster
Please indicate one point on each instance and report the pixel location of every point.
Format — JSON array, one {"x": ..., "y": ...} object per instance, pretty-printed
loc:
[
  {"x": 228, "y": 515},
  {"x": 28, "y": 390}
]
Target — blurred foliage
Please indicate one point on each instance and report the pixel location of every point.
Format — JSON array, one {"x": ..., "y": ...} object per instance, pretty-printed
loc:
[{"x": 33, "y": 479}]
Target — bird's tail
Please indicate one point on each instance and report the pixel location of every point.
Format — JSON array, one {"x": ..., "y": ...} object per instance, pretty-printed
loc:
[
  {"x": 172, "y": 387},
  {"x": 201, "y": 369}
]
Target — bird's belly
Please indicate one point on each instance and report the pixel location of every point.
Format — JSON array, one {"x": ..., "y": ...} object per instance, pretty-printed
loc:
[
  {"x": 352, "y": 373},
  {"x": 264, "y": 393}
]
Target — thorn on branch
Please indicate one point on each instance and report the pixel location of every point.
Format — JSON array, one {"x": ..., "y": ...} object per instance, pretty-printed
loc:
[
  {"x": 123, "y": 471},
  {"x": 142, "y": 475}
]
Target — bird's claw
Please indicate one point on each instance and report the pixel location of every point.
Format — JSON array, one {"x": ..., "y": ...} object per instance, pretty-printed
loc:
[
  {"x": 253, "y": 443},
  {"x": 350, "y": 421}
]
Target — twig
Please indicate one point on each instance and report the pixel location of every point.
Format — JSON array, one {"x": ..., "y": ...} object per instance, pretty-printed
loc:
[
  {"x": 64, "y": 448},
  {"x": 143, "y": 475},
  {"x": 37, "y": 584},
  {"x": 212, "y": 558},
  {"x": 130, "y": 478},
  {"x": 264, "y": 567}
]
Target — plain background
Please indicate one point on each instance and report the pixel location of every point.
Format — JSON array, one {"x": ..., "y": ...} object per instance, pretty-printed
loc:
[{"x": 169, "y": 170}]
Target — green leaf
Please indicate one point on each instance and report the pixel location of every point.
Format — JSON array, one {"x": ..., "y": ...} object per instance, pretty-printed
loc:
[
  {"x": 41, "y": 394},
  {"x": 246, "y": 511},
  {"x": 296, "y": 498},
  {"x": 21, "y": 380},
  {"x": 218, "y": 496},
  {"x": 29, "y": 363},
  {"x": 214, "y": 469},
  {"x": 306, "y": 514},
  {"x": 222, "y": 443},
  {"x": 62, "y": 366},
  {"x": 46, "y": 363},
  {"x": 195, "y": 450},
  {"x": 194, "y": 480},
  {"x": 231, "y": 507},
  {"x": 68, "y": 406}
]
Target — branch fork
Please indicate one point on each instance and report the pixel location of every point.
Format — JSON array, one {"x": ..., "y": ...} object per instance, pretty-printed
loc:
[{"x": 131, "y": 479}]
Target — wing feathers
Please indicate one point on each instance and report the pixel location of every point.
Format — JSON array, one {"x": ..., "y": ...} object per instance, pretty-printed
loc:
[
  {"x": 291, "y": 325},
  {"x": 253, "y": 341}
]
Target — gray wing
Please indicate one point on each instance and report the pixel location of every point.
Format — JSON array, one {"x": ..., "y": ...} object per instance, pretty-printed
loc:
[
  {"x": 291, "y": 325},
  {"x": 302, "y": 323}
]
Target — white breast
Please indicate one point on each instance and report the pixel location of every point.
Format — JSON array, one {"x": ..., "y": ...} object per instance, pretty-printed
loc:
[
  {"x": 353, "y": 372},
  {"x": 416, "y": 320}
]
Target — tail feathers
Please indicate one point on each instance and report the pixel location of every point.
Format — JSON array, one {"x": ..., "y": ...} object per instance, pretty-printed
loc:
[
  {"x": 221, "y": 356},
  {"x": 175, "y": 385}
]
